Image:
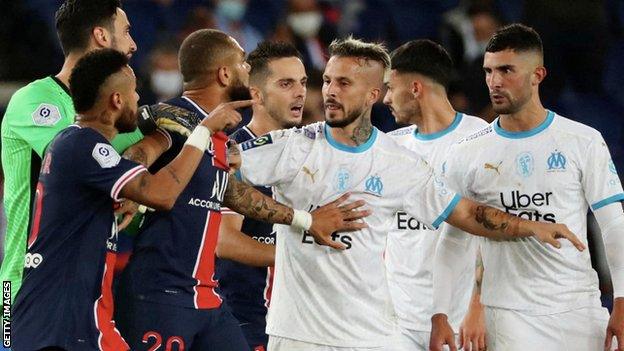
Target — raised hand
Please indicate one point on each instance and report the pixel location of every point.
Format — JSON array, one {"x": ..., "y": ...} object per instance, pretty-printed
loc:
[
  {"x": 336, "y": 217},
  {"x": 225, "y": 115}
]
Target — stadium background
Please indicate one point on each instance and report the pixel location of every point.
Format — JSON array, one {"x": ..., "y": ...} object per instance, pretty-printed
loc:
[{"x": 583, "y": 43}]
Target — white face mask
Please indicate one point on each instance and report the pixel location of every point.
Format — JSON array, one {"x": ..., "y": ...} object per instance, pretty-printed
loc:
[
  {"x": 305, "y": 24},
  {"x": 166, "y": 83}
]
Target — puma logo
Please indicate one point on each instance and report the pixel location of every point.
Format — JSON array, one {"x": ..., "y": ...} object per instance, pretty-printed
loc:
[
  {"x": 490, "y": 166},
  {"x": 307, "y": 171}
]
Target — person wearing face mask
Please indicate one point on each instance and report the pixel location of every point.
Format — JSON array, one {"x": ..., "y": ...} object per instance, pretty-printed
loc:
[
  {"x": 311, "y": 33},
  {"x": 165, "y": 79},
  {"x": 229, "y": 16}
]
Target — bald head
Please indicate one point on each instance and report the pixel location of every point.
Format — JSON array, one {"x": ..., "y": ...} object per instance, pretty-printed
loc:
[{"x": 203, "y": 52}]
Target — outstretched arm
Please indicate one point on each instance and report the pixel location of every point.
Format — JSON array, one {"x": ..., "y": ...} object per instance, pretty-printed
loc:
[
  {"x": 321, "y": 223},
  {"x": 235, "y": 245},
  {"x": 472, "y": 329},
  {"x": 483, "y": 220}
]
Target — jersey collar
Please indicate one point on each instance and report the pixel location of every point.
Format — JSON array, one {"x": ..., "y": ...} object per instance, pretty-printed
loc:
[
  {"x": 347, "y": 148},
  {"x": 526, "y": 133},
  {"x": 436, "y": 135}
]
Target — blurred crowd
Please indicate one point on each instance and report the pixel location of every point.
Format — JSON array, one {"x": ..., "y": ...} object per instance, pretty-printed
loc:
[{"x": 583, "y": 42}]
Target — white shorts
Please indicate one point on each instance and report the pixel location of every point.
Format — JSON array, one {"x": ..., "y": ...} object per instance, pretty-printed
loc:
[
  {"x": 414, "y": 340},
  {"x": 578, "y": 330},
  {"x": 277, "y": 343}
]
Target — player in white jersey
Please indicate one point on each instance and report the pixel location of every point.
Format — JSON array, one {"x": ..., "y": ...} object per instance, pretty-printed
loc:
[
  {"x": 325, "y": 299},
  {"x": 537, "y": 165},
  {"x": 416, "y": 95}
]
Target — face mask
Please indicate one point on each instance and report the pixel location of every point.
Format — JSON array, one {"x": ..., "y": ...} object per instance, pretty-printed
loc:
[
  {"x": 166, "y": 83},
  {"x": 233, "y": 10},
  {"x": 305, "y": 24}
]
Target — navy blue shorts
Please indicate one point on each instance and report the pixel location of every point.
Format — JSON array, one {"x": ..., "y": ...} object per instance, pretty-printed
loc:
[{"x": 148, "y": 324}]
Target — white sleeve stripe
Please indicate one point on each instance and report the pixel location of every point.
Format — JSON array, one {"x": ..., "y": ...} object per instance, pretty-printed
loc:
[{"x": 124, "y": 179}]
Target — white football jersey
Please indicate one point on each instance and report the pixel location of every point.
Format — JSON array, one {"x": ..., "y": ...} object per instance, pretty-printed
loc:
[
  {"x": 411, "y": 244},
  {"x": 552, "y": 173},
  {"x": 322, "y": 295}
]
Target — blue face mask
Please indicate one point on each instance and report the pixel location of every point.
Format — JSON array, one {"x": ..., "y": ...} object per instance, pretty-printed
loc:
[{"x": 233, "y": 10}]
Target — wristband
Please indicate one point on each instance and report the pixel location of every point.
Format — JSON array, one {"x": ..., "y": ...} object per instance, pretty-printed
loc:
[
  {"x": 302, "y": 220},
  {"x": 200, "y": 138}
]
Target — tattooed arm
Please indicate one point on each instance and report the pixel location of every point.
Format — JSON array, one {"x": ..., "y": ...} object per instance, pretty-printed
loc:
[
  {"x": 472, "y": 329},
  {"x": 249, "y": 202},
  {"x": 329, "y": 218},
  {"x": 148, "y": 149},
  {"x": 161, "y": 190},
  {"x": 482, "y": 220}
]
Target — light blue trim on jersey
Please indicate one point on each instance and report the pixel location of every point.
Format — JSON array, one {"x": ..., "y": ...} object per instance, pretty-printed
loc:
[
  {"x": 447, "y": 211},
  {"x": 524, "y": 134},
  {"x": 238, "y": 175},
  {"x": 352, "y": 149},
  {"x": 436, "y": 135},
  {"x": 607, "y": 201}
]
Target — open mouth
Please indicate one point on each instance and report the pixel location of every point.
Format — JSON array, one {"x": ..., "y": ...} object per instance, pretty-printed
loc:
[{"x": 296, "y": 110}]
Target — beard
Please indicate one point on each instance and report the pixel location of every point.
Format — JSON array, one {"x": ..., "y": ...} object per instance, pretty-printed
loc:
[
  {"x": 127, "y": 122},
  {"x": 348, "y": 119},
  {"x": 238, "y": 91}
]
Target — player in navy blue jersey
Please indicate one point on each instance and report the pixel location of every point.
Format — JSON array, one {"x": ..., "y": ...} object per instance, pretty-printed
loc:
[
  {"x": 277, "y": 80},
  {"x": 65, "y": 302},
  {"x": 169, "y": 283}
]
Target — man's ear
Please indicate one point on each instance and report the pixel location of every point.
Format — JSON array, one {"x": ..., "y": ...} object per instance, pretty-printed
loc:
[
  {"x": 102, "y": 37},
  {"x": 224, "y": 75},
  {"x": 538, "y": 75},
  {"x": 256, "y": 94}
]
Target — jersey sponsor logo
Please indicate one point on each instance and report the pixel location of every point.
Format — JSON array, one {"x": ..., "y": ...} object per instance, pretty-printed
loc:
[
  {"x": 524, "y": 164},
  {"x": 105, "y": 155},
  {"x": 556, "y": 161},
  {"x": 32, "y": 260},
  {"x": 405, "y": 222},
  {"x": 528, "y": 206},
  {"x": 111, "y": 242},
  {"x": 374, "y": 185},
  {"x": 197, "y": 202},
  {"x": 612, "y": 167},
  {"x": 260, "y": 141},
  {"x": 46, "y": 115},
  {"x": 492, "y": 167},
  {"x": 307, "y": 171},
  {"x": 342, "y": 180}
]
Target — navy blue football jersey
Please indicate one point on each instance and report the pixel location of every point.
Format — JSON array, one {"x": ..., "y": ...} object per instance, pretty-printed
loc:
[
  {"x": 247, "y": 289},
  {"x": 66, "y": 298},
  {"x": 173, "y": 258}
]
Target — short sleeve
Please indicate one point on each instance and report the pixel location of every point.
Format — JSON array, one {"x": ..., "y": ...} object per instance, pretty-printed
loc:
[
  {"x": 429, "y": 199},
  {"x": 271, "y": 159},
  {"x": 35, "y": 121},
  {"x": 600, "y": 179},
  {"x": 102, "y": 168}
]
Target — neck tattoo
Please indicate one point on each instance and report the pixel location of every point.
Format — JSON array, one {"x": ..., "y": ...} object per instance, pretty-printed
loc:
[{"x": 362, "y": 132}]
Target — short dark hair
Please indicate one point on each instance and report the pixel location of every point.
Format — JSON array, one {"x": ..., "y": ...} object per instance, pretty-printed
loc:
[
  {"x": 517, "y": 37},
  {"x": 75, "y": 20},
  {"x": 351, "y": 47},
  {"x": 200, "y": 51},
  {"x": 266, "y": 52},
  {"x": 90, "y": 73},
  {"x": 424, "y": 57}
]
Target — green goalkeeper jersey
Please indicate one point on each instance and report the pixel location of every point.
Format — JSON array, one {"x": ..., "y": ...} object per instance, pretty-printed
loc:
[{"x": 35, "y": 114}]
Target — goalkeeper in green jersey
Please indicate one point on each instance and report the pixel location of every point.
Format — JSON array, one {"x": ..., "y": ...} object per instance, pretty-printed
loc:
[{"x": 44, "y": 107}]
